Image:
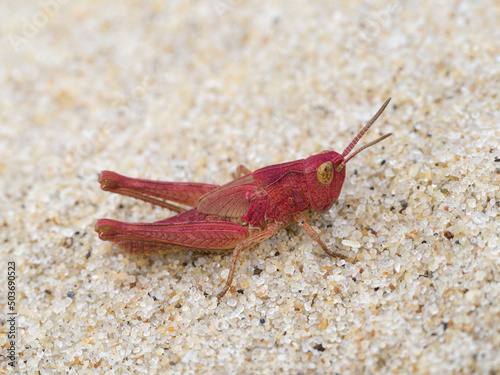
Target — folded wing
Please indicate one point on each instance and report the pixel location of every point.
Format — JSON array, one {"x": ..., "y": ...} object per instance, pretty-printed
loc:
[{"x": 231, "y": 199}]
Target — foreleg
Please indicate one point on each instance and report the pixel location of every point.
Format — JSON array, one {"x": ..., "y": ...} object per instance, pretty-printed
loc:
[{"x": 315, "y": 236}]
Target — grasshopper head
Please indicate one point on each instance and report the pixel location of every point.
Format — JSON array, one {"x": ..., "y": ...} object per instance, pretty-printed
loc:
[{"x": 325, "y": 172}]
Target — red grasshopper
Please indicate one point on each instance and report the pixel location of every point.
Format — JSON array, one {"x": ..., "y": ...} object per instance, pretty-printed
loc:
[{"x": 236, "y": 215}]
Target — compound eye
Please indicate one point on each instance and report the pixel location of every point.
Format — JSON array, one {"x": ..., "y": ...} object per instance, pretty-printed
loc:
[{"x": 325, "y": 173}]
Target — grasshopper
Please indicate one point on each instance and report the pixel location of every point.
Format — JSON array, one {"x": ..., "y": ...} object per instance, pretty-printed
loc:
[{"x": 234, "y": 216}]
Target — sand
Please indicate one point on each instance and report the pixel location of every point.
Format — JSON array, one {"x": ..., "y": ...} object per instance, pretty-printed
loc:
[{"x": 187, "y": 91}]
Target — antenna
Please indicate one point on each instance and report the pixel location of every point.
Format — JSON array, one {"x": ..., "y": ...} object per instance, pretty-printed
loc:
[
  {"x": 356, "y": 139},
  {"x": 365, "y": 129}
]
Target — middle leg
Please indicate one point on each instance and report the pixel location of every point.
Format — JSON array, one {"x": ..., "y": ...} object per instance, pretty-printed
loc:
[
  {"x": 243, "y": 245},
  {"x": 241, "y": 171}
]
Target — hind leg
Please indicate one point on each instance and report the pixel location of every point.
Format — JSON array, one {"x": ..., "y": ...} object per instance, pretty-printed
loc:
[{"x": 186, "y": 193}]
